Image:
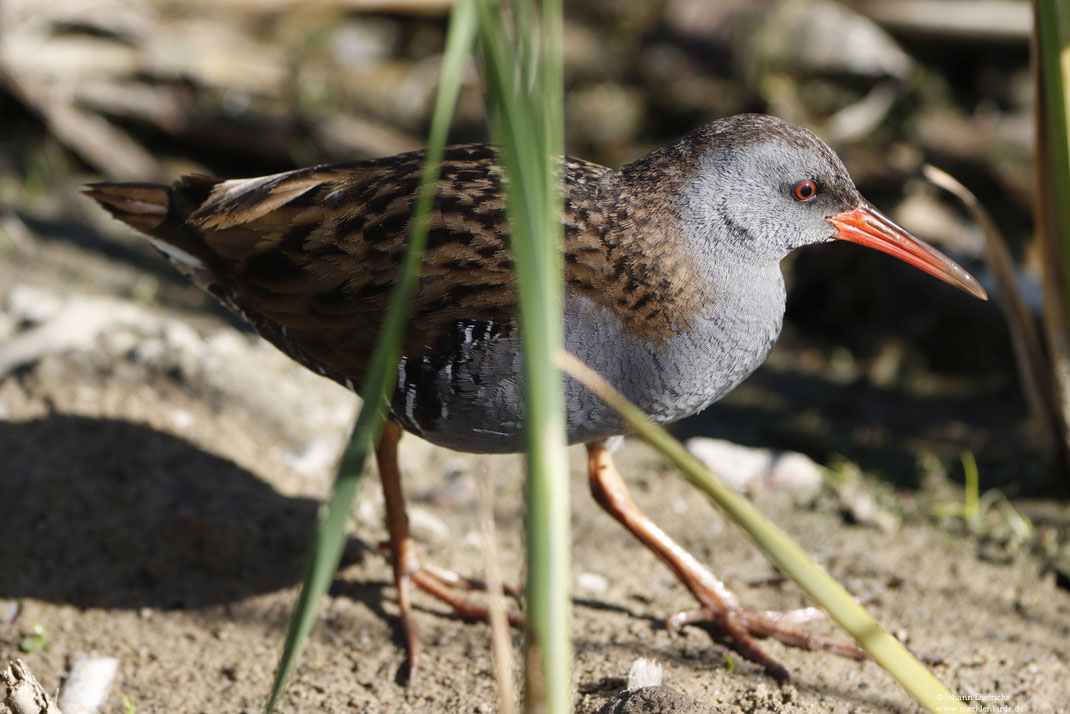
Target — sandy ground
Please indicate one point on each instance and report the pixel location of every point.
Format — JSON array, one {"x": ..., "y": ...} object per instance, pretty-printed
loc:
[{"x": 159, "y": 481}]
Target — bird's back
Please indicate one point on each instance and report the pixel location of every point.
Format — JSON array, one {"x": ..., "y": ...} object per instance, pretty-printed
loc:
[
  {"x": 309, "y": 258},
  {"x": 316, "y": 251}
]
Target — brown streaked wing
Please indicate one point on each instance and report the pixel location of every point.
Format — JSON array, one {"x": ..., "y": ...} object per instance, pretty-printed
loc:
[{"x": 316, "y": 252}]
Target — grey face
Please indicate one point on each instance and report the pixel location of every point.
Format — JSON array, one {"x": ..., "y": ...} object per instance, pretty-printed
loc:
[{"x": 762, "y": 201}]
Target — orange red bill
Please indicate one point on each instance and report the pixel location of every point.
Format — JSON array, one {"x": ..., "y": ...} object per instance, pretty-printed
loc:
[{"x": 867, "y": 226}]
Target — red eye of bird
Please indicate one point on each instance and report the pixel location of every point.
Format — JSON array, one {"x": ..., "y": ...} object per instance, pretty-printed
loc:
[{"x": 804, "y": 190}]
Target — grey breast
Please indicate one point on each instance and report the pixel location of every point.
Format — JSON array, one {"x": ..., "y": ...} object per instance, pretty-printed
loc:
[{"x": 471, "y": 397}]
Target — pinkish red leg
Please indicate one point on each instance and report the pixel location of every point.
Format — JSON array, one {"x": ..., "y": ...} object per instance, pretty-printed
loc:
[
  {"x": 718, "y": 606},
  {"x": 409, "y": 568}
]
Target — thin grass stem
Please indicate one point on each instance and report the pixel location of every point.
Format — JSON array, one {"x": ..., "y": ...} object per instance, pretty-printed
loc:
[
  {"x": 329, "y": 537},
  {"x": 888, "y": 652}
]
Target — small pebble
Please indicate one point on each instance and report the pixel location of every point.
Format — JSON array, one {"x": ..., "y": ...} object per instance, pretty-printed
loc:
[
  {"x": 181, "y": 419},
  {"x": 473, "y": 539},
  {"x": 592, "y": 582},
  {"x": 9, "y": 611},
  {"x": 644, "y": 673},
  {"x": 313, "y": 458},
  {"x": 88, "y": 684},
  {"x": 33, "y": 305},
  {"x": 423, "y": 521}
]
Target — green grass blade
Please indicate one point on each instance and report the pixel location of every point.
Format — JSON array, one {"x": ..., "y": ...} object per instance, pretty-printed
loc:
[
  {"x": 552, "y": 89},
  {"x": 525, "y": 62},
  {"x": 525, "y": 108},
  {"x": 1053, "y": 47},
  {"x": 888, "y": 652},
  {"x": 971, "y": 510},
  {"x": 1051, "y": 68},
  {"x": 329, "y": 537}
]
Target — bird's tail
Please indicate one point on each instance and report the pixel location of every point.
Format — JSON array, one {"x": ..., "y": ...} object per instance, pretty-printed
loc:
[
  {"x": 160, "y": 212},
  {"x": 142, "y": 206}
]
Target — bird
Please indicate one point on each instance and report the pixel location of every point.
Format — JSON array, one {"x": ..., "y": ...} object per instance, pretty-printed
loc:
[{"x": 673, "y": 293}]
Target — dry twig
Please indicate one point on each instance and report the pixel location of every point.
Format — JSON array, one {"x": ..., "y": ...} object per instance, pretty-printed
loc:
[
  {"x": 1028, "y": 353},
  {"x": 23, "y": 694}
]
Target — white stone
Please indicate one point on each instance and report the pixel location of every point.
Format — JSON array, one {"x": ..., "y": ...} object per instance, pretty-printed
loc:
[
  {"x": 743, "y": 467},
  {"x": 313, "y": 458},
  {"x": 644, "y": 673},
  {"x": 32, "y": 304},
  {"x": 592, "y": 582},
  {"x": 424, "y": 521},
  {"x": 88, "y": 684}
]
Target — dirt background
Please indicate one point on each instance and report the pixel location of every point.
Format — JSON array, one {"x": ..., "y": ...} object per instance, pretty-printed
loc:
[{"x": 160, "y": 468}]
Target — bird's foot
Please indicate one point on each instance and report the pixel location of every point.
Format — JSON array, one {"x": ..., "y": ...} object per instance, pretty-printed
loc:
[
  {"x": 719, "y": 609},
  {"x": 451, "y": 579},
  {"x": 743, "y": 626},
  {"x": 445, "y": 585}
]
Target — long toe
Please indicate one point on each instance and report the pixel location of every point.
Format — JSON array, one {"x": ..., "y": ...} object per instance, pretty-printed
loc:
[
  {"x": 460, "y": 582},
  {"x": 740, "y": 627},
  {"x": 443, "y": 585},
  {"x": 731, "y": 628}
]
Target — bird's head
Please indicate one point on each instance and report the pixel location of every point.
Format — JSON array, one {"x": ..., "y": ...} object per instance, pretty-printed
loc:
[{"x": 763, "y": 187}]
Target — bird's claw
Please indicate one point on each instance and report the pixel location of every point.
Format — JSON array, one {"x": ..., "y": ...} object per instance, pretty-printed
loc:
[
  {"x": 443, "y": 585},
  {"x": 743, "y": 626}
]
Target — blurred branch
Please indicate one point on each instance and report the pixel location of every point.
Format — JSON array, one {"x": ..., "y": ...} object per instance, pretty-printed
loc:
[
  {"x": 1037, "y": 381},
  {"x": 982, "y": 20},
  {"x": 347, "y": 134},
  {"x": 23, "y": 694},
  {"x": 200, "y": 76},
  {"x": 858, "y": 120},
  {"x": 262, "y": 7},
  {"x": 96, "y": 140}
]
